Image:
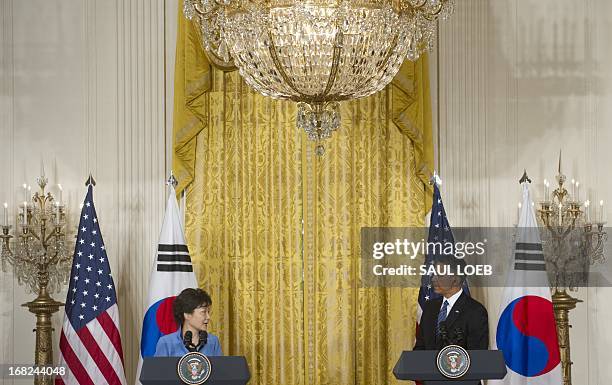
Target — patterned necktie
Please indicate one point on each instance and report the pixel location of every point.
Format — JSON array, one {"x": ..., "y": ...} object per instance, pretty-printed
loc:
[{"x": 441, "y": 315}]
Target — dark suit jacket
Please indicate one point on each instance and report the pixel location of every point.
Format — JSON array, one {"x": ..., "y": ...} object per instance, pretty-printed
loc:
[{"x": 467, "y": 316}]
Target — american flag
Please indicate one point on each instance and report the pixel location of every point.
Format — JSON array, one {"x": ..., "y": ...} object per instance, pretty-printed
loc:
[
  {"x": 90, "y": 343},
  {"x": 439, "y": 231}
]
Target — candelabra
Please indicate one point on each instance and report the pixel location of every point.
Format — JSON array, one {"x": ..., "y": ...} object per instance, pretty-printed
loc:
[
  {"x": 40, "y": 260},
  {"x": 572, "y": 242}
]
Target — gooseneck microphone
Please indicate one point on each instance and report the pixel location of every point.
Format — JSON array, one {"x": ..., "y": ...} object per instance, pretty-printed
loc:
[
  {"x": 187, "y": 341},
  {"x": 459, "y": 337},
  {"x": 443, "y": 334},
  {"x": 454, "y": 337}
]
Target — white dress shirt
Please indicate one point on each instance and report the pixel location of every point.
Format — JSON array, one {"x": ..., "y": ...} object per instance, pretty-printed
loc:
[{"x": 451, "y": 301}]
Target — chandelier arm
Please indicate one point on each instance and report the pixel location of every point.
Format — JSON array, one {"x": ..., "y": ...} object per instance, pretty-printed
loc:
[
  {"x": 552, "y": 230},
  {"x": 567, "y": 231},
  {"x": 196, "y": 7},
  {"x": 216, "y": 60},
  {"x": 431, "y": 16},
  {"x": 279, "y": 66},
  {"x": 29, "y": 234},
  {"x": 51, "y": 234},
  {"x": 34, "y": 235},
  {"x": 434, "y": 15},
  {"x": 212, "y": 56},
  {"x": 419, "y": 6},
  {"x": 53, "y": 259},
  {"x": 440, "y": 7},
  {"x": 29, "y": 261},
  {"x": 219, "y": 63},
  {"x": 335, "y": 60}
]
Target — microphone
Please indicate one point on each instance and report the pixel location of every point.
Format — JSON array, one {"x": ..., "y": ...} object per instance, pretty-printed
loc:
[
  {"x": 459, "y": 337},
  {"x": 187, "y": 341},
  {"x": 443, "y": 333},
  {"x": 203, "y": 336}
]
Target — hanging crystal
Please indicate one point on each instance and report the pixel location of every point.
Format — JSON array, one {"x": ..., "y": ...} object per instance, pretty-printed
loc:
[{"x": 319, "y": 52}]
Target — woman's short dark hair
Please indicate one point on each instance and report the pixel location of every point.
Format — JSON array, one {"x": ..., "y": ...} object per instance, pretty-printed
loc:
[{"x": 189, "y": 300}]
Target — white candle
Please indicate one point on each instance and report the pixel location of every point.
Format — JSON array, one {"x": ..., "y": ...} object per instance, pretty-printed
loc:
[
  {"x": 577, "y": 192},
  {"x": 545, "y": 190},
  {"x": 25, "y": 213},
  {"x": 5, "y": 214},
  {"x": 601, "y": 211},
  {"x": 25, "y": 192},
  {"x": 587, "y": 208},
  {"x": 518, "y": 213},
  {"x": 560, "y": 214},
  {"x": 60, "y": 193},
  {"x": 57, "y": 213}
]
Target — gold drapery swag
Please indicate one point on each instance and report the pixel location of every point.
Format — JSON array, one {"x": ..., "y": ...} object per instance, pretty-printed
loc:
[{"x": 274, "y": 231}]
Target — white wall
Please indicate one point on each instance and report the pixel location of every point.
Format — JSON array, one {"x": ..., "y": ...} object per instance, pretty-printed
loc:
[
  {"x": 84, "y": 86},
  {"x": 519, "y": 80}
]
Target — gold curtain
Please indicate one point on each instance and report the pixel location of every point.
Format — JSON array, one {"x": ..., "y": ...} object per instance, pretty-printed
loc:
[
  {"x": 274, "y": 231},
  {"x": 367, "y": 178}
]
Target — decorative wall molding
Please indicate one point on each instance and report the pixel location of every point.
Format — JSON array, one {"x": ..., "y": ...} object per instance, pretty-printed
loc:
[
  {"x": 7, "y": 168},
  {"x": 141, "y": 145}
]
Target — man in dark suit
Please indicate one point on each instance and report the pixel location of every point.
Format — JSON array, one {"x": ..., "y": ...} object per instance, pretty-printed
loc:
[{"x": 455, "y": 318}]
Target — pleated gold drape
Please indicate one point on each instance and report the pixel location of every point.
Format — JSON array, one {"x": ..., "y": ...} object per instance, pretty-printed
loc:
[
  {"x": 274, "y": 231},
  {"x": 367, "y": 178}
]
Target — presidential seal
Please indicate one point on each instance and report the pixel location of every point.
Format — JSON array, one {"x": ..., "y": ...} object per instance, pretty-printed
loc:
[
  {"x": 194, "y": 368},
  {"x": 453, "y": 361}
]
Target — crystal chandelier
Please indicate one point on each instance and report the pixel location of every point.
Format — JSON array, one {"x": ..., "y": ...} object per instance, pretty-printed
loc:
[{"x": 316, "y": 52}]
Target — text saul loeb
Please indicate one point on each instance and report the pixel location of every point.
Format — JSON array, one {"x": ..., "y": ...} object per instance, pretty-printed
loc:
[{"x": 467, "y": 270}]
